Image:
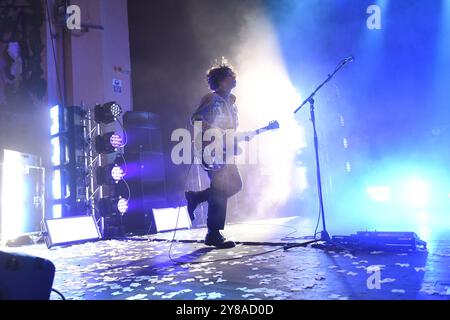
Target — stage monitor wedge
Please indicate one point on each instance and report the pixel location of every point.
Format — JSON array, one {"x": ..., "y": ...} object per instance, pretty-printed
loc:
[{"x": 24, "y": 277}]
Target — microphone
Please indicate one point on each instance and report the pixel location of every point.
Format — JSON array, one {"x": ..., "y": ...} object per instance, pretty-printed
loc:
[
  {"x": 344, "y": 62},
  {"x": 349, "y": 59}
]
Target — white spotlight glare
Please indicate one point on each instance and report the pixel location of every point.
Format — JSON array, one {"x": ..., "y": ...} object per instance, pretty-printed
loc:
[
  {"x": 379, "y": 193},
  {"x": 13, "y": 190},
  {"x": 417, "y": 192},
  {"x": 265, "y": 92}
]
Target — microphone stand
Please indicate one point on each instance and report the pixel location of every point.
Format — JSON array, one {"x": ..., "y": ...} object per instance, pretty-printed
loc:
[{"x": 324, "y": 235}]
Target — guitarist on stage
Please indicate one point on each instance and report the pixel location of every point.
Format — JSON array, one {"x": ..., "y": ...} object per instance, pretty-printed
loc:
[{"x": 217, "y": 110}]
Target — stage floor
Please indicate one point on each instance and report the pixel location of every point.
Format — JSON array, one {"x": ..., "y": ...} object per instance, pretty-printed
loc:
[{"x": 142, "y": 269}]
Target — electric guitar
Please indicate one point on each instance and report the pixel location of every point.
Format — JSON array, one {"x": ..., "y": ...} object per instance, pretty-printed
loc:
[{"x": 214, "y": 162}]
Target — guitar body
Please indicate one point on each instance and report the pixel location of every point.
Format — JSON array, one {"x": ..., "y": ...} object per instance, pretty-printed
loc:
[{"x": 214, "y": 162}]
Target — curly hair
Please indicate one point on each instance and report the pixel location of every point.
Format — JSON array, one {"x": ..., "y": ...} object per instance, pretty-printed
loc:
[{"x": 216, "y": 74}]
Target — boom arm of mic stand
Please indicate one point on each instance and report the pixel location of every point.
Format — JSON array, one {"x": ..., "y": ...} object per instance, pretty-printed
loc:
[{"x": 330, "y": 76}]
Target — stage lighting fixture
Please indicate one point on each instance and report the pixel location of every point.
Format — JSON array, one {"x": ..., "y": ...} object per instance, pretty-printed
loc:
[
  {"x": 108, "y": 143},
  {"x": 116, "y": 141},
  {"x": 57, "y": 211},
  {"x": 68, "y": 151},
  {"x": 56, "y": 151},
  {"x": 107, "y": 113},
  {"x": 109, "y": 174},
  {"x": 122, "y": 205},
  {"x": 69, "y": 230},
  {"x": 56, "y": 185},
  {"x": 110, "y": 206},
  {"x": 55, "y": 120},
  {"x": 166, "y": 219}
]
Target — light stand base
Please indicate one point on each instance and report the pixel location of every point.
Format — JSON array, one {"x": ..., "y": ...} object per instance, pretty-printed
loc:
[{"x": 324, "y": 236}]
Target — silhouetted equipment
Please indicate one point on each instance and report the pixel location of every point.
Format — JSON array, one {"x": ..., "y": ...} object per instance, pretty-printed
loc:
[
  {"x": 146, "y": 169},
  {"x": 24, "y": 277}
]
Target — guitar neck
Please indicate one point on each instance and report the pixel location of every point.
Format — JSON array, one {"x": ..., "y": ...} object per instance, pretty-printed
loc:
[
  {"x": 254, "y": 132},
  {"x": 262, "y": 130}
]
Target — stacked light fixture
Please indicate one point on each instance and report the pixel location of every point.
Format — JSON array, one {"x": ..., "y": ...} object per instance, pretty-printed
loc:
[
  {"x": 88, "y": 171},
  {"x": 68, "y": 157},
  {"x": 110, "y": 195}
]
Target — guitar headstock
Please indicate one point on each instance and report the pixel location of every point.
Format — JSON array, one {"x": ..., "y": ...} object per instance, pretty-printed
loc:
[{"x": 273, "y": 125}]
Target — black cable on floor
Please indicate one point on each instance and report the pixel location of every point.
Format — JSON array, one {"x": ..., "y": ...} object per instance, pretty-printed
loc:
[
  {"x": 178, "y": 262},
  {"x": 59, "y": 293}
]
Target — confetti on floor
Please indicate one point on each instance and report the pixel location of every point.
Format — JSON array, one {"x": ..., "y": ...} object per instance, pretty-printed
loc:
[{"x": 140, "y": 270}]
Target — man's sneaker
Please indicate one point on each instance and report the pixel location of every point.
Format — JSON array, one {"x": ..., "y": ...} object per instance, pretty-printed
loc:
[
  {"x": 216, "y": 239},
  {"x": 191, "y": 203}
]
